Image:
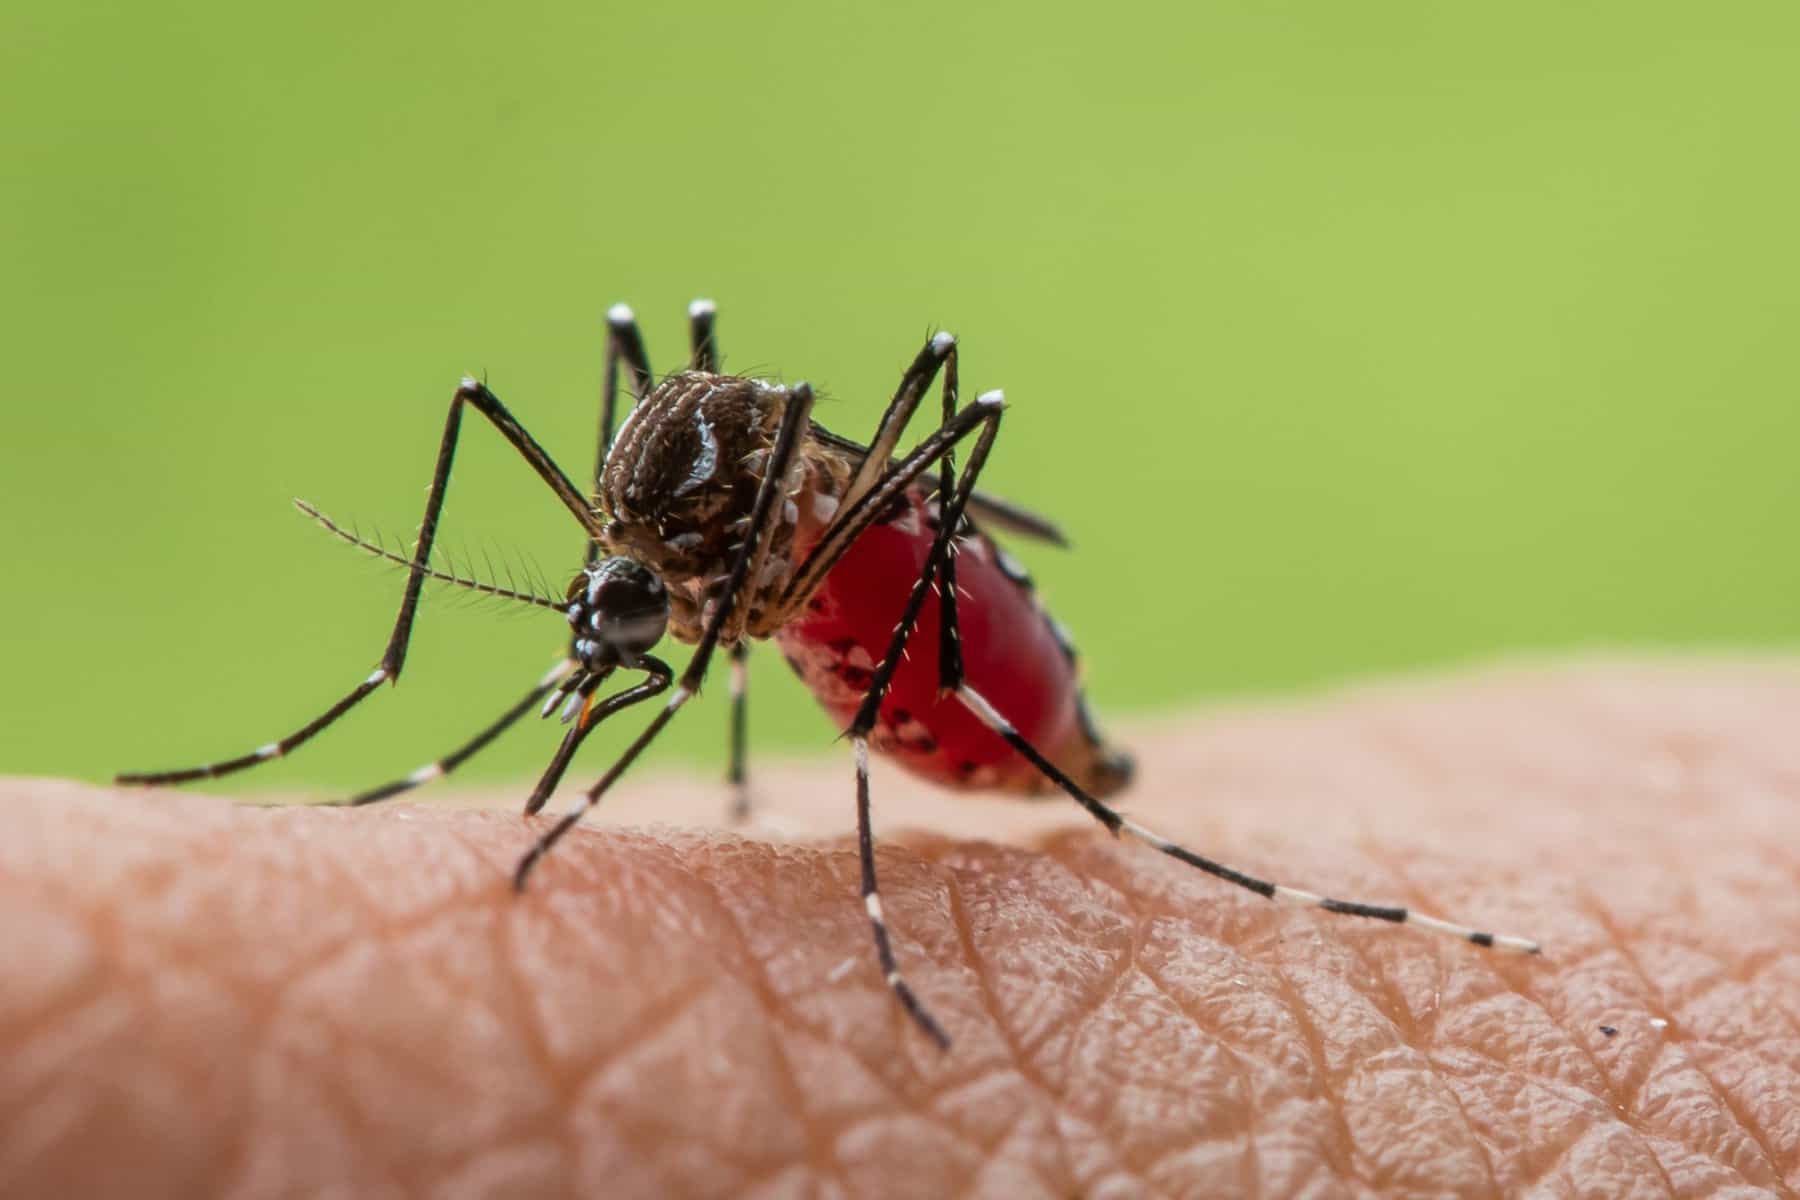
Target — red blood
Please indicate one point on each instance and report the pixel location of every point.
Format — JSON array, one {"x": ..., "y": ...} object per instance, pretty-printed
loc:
[{"x": 1010, "y": 656}]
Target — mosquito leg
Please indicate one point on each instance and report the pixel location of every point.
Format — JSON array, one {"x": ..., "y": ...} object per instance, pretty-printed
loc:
[
  {"x": 1117, "y": 823},
  {"x": 939, "y": 350},
  {"x": 657, "y": 679},
  {"x": 702, "y": 316},
  {"x": 949, "y": 644},
  {"x": 736, "y": 773},
  {"x": 936, "y": 560},
  {"x": 758, "y": 530},
  {"x": 871, "y": 894},
  {"x": 623, "y": 342},
  {"x": 394, "y": 657},
  {"x": 449, "y": 762}
]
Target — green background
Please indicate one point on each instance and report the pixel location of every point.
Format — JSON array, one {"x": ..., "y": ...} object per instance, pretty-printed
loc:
[{"x": 1344, "y": 338}]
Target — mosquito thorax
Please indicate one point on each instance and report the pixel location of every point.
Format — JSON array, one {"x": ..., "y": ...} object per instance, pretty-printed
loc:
[
  {"x": 619, "y": 610},
  {"x": 682, "y": 477},
  {"x": 683, "y": 472}
]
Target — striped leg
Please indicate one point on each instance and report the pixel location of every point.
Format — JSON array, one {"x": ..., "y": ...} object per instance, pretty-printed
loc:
[
  {"x": 703, "y": 343},
  {"x": 1117, "y": 823},
  {"x": 623, "y": 342},
  {"x": 949, "y": 643},
  {"x": 443, "y": 766},
  {"x": 938, "y": 353},
  {"x": 472, "y": 393},
  {"x": 950, "y": 516},
  {"x": 737, "y": 772},
  {"x": 871, "y": 894}
]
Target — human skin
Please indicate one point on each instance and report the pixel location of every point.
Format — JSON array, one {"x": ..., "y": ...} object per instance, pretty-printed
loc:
[{"x": 203, "y": 999}]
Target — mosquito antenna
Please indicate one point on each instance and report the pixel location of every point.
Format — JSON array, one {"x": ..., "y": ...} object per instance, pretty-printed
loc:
[{"x": 382, "y": 552}]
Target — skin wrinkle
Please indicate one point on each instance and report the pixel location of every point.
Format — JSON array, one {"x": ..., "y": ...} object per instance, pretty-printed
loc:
[
  {"x": 1087, "y": 1015},
  {"x": 1338, "y": 1149},
  {"x": 1792, "y": 1014},
  {"x": 1621, "y": 1106},
  {"x": 818, "y": 1142},
  {"x": 104, "y": 928},
  {"x": 406, "y": 1065},
  {"x": 1242, "y": 1074},
  {"x": 346, "y": 1105},
  {"x": 1410, "y": 1035},
  {"x": 1252, "y": 1171},
  {"x": 1612, "y": 1111},
  {"x": 861, "y": 1122},
  {"x": 1068, "y": 1027},
  {"x": 1104, "y": 999},
  {"x": 386, "y": 930},
  {"x": 1462, "y": 1111},
  {"x": 1022, "y": 1068},
  {"x": 932, "y": 1101},
  {"x": 921, "y": 1106},
  {"x": 1251, "y": 1065},
  {"x": 669, "y": 1010},
  {"x": 894, "y": 1094},
  {"x": 1425, "y": 1033},
  {"x": 1674, "y": 1036},
  {"x": 1518, "y": 1058},
  {"x": 1406, "y": 1030},
  {"x": 1755, "y": 966},
  {"x": 84, "y": 990},
  {"x": 664, "y": 1145},
  {"x": 240, "y": 1129},
  {"x": 1069, "y": 1023},
  {"x": 530, "y": 1026},
  {"x": 1570, "y": 1135},
  {"x": 1619, "y": 940},
  {"x": 98, "y": 1019},
  {"x": 991, "y": 1145},
  {"x": 1347, "y": 1081},
  {"x": 1341, "y": 1147},
  {"x": 1619, "y": 1100},
  {"x": 864, "y": 966},
  {"x": 579, "y": 1076},
  {"x": 525, "y": 1125},
  {"x": 1095, "y": 997},
  {"x": 1417, "y": 1037}
]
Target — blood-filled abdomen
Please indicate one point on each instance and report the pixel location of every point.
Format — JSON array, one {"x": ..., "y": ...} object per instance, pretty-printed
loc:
[{"x": 1012, "y": 654}]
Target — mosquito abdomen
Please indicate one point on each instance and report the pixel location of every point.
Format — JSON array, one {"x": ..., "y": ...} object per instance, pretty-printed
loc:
[{"x": 1012, "y": 651}]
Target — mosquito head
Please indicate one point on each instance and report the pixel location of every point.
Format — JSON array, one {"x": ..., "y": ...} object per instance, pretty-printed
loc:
[{"x": 619, "y": 610}]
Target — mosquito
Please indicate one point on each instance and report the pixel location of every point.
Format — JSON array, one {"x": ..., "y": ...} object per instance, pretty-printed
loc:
[{"x": 722, "y": 513}]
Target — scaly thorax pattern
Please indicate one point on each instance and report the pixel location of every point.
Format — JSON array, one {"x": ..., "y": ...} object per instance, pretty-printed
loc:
[{"x": 681, "y": 480}]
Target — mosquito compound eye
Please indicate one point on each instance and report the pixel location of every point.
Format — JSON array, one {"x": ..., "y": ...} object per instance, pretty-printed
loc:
[{"x": 627, "y": 607}]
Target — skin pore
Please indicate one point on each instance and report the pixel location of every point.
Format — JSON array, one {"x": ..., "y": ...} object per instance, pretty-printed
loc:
[{"x": 197, "y": 998}]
